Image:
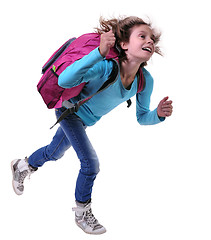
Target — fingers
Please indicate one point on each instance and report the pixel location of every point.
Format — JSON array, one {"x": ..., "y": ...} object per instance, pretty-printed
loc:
[
  {"x": 164, "y": 100},
  {"x": 107, "y": 41},
  {"x": 110, "y": 38},
  {"x": 167, "y": 103},
  {"x": 167, "y": 108}
]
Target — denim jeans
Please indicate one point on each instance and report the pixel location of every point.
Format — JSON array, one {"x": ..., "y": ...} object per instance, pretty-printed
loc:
[{"x": 71, "y": 133}]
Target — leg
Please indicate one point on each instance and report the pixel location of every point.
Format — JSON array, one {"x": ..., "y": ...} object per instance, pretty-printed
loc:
[
  {"x": 24, "y": 167},
  {"x": 52, "y": 152},
  {"x": 75, "y": 132},
  {"x": 74, "y": 129}
]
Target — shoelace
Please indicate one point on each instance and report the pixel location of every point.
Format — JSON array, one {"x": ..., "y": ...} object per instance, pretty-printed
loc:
[
  {"x": 23, "y": 176},
  {"x": 88, "y": 215},
  {"x": 91, "y": 218},
  {"x": 29, "y": 177}
]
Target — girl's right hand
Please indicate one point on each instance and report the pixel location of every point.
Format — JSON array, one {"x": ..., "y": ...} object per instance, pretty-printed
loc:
[{"x": 107, "y": 41}]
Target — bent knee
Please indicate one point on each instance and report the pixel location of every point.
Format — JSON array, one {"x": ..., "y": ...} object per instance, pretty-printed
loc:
[
  {"x": 53, "y": 155},
  {"x": 90, "y": 168},
  {"x": 94, "y": 170},
  {"x": 97, "y": 169}
]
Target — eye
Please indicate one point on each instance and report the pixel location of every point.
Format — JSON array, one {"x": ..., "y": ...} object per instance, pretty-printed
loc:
[
  {"x": 153, "y": 39},
  {"x": 142, "y": 36}
]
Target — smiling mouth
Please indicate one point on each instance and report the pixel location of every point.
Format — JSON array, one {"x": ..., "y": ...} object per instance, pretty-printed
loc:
[{"x": 147, "y": 49}]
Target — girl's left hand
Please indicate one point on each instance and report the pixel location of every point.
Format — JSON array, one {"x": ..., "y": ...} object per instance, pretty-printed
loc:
[{"x": 165, "y": 108}]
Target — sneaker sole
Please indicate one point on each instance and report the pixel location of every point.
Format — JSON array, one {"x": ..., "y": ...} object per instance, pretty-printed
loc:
[{"x": 13, "y": 173}]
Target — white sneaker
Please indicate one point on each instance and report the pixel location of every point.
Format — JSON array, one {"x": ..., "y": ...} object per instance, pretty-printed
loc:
[
  {"x": 86, "y": 220},
  {"x": 20, "y": 170}
]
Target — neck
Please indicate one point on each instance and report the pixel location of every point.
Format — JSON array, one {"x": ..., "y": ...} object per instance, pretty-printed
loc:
[{"x": 128, "y": 71}]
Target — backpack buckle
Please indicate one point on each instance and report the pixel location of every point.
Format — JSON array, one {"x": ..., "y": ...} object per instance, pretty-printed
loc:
[{"x": 72, "y": 107}]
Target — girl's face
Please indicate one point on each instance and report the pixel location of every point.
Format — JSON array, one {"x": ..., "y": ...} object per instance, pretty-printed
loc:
[{"x": 141, "y": 44}]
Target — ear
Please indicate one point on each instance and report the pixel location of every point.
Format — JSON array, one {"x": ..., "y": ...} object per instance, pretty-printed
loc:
[{"x": 124, "y": 45}]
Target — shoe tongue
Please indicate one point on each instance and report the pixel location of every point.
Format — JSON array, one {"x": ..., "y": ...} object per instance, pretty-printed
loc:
[
  {"x": 23, "y": 165},
  {"x": 82, "y": 206}
]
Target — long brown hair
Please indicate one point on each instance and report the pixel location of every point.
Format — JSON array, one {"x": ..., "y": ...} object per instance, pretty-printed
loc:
[{"x": 122, "y": 29}]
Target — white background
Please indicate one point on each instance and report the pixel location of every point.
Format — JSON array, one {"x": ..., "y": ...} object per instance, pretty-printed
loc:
[{"x": 155, "y": 180}]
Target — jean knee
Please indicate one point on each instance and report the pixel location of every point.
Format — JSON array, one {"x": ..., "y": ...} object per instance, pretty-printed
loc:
[
  {"x": 53, "y": 156},
  {"x": 96, "y": 169},
  {"x": 90, "y": 168}
]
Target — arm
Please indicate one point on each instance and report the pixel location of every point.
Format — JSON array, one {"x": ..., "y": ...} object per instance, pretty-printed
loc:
[
  {"x": 143, "y": 113},
  {"x": 82, "y": 70},
  {"x": 85, "y": 69}
]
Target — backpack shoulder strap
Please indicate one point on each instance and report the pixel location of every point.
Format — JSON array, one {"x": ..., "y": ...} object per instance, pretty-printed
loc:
[
  {"x": 141, "y": 85},
  {"x": 141, "y": 81},
  {"x": 71, "y": 108}
]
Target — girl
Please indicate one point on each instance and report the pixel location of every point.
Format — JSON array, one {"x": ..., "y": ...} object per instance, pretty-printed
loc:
[{"x": 137, "y": 42}]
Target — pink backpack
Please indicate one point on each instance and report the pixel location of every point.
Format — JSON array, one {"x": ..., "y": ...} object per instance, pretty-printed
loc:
[{"x": 74, "y": 49}]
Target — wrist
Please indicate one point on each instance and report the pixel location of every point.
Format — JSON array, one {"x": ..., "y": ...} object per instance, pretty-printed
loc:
[
  {"x": 101, "y": 53},
  {"x": 161, "y": 118}
]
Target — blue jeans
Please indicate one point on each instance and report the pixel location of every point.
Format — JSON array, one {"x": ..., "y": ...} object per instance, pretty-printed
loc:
[{"x": 71, "y": 133}]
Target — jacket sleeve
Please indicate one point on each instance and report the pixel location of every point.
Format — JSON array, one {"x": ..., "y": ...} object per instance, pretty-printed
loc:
[
  {"x": 143, "y": 113},
  {"x": 82, "y": 70}
]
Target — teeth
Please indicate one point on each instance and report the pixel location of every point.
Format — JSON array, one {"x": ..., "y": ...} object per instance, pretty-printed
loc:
[{"x": 147, "y": 49}]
